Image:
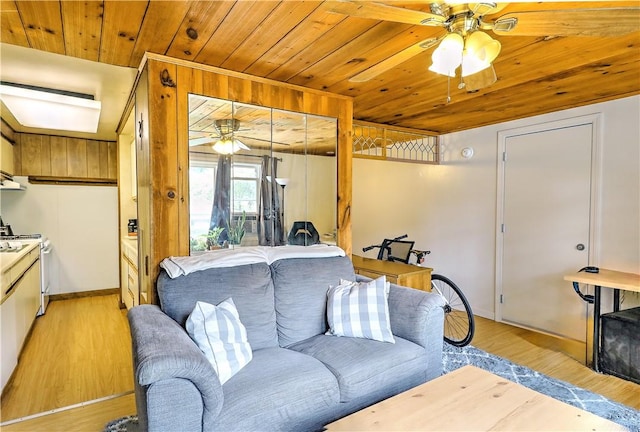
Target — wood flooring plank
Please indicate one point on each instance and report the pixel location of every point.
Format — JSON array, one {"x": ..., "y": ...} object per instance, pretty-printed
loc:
[
  {"x": 86, "y": 348},
  {"x": 88, "y": 418}
]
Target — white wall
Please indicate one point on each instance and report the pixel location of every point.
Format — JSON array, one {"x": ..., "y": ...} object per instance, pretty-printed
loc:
[
  {"x": 82, "y": 224},
  {"x": 450, "y": 208},
  {"x": 312, "y": 190},
  {"x": 128, "y": 207}
]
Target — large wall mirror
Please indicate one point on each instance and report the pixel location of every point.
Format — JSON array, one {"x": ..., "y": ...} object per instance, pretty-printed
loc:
[{"x": 259, "y": 176}]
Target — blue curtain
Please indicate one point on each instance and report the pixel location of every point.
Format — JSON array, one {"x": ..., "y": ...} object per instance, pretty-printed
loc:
[
  {"x": 270, "y": 224},
  {"x": 221, "y": 211}
]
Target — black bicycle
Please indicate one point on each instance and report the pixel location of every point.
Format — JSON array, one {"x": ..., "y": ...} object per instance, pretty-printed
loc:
[{"x": 459, "y": 324}]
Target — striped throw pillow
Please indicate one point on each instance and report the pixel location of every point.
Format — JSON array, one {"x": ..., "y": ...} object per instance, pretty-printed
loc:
[
  {"x": 221, "y": 336},
  {"x": 360, "y": 310}
]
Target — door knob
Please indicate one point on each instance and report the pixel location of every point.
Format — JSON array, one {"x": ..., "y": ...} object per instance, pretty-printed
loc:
[{"x": 580, "y": 246}]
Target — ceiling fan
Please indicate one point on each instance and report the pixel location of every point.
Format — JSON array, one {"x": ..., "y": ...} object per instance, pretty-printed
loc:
[
  {"x": 223, "y": 140},
  {"x": 467, "y": 44}
]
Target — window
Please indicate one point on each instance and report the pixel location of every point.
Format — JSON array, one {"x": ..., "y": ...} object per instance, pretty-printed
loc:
[
  {"x": 244, "y": 188},
  {"x": 245, "y": 191},
  {"x": 202, "y": 177}
]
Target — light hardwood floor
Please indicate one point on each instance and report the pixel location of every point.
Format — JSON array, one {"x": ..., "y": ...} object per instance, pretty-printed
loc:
[
  {"x": 540, "y": 352},
  {"x": 81, "y": 351}
]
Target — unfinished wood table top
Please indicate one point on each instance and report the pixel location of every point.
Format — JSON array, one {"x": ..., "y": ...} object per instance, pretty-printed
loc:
[
  {"x": 471, "y": 398},
  {"x": 607, "y": 278}
]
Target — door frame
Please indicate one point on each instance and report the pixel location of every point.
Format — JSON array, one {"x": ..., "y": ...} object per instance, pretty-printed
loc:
[{"x": 595, "y": 120}]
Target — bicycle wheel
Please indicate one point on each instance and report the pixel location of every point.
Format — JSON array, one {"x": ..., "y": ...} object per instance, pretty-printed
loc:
[{"x": 459, "y": 325}]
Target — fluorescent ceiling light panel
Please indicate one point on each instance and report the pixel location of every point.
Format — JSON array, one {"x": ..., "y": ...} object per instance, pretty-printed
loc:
[{"x": 51, "y": 109}]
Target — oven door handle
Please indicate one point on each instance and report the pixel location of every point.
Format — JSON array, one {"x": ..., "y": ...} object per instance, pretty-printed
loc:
[{"x": 46, "y": 247}]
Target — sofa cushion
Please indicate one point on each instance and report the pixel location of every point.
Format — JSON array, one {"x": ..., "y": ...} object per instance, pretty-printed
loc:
[
  {"x": 279, "y": 389},
  {"x": 301, "y": 286},
  {"x": 364, "y": 366},
  {"x": 250, "y": 286},
  {"x": 360, "y": 309},
  {"x": 220, "y": 335}
]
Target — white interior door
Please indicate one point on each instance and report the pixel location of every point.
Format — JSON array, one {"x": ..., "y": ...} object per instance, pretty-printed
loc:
[{"x": 546, "y": 228}]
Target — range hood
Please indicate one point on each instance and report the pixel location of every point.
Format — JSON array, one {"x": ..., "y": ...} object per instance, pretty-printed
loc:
[{"x": 12, "y": 185}]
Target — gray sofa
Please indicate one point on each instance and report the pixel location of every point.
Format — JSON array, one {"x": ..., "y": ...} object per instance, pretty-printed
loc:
[{"x": 299, "y": 378}]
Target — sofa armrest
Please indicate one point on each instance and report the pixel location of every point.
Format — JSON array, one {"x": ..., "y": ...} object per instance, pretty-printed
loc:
[
  {"x": 416, "y": 315},
  {"x": 162, "y": 350}
]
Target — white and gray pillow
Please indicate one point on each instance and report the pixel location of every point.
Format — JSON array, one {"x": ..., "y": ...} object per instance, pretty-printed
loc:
[
  {"x": 360, "y": 309},
  {"x": 221, "y": 336}
]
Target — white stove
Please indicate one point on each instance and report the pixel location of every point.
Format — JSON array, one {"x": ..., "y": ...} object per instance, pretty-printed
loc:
[{"x": 14, "y": 243}]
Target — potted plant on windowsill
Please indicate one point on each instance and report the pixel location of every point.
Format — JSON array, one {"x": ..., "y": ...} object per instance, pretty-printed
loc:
[
  {"x": 213, "y": 238},
  {"x": 236, "y": 233}
]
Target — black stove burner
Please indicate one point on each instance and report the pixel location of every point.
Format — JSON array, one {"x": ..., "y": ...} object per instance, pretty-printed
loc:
[{"x": 20, "y": 237}]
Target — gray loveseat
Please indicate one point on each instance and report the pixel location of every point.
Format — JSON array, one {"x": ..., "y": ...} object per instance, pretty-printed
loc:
[{"x": 299, "y": 378}]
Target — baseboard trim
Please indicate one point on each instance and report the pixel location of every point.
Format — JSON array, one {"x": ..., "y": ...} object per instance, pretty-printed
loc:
[
  {"x": 80, "y": 294},
  {"x": 66, "y": 408}
]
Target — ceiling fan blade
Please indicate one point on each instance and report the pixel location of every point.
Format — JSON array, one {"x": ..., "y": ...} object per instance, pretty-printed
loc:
[
  {"x": 572, "y": 22},
  {"x": 383, "y": 12},
  {"x": 394, "y": 60},
  {"x": 486, "y": 8},
  {"x": 199, "y": 141},
  {"x": 481, "y": 79}
]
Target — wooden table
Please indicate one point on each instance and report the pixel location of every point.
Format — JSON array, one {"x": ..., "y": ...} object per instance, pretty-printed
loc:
[
  {"x": 470, "y": 398},
  {"x": 604, "y": 278},
  {"x": 408, "y": 275}
]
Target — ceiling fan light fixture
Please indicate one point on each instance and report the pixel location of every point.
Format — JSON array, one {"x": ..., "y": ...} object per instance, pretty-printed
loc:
[
  {"x": 480, "y": 50},
  {"x": 227, "y": 146},
  {"x": 448, "y": 56}
]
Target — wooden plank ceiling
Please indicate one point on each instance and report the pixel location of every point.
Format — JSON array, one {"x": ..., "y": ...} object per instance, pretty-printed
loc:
[{"x": 303, "y": 43}]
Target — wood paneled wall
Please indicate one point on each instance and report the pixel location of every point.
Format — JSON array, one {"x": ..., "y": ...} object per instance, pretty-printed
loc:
[
  {"x": 7, "y": 131},
  {"x": 64, "y": 157},
  {"x": 169, "y": 83}
]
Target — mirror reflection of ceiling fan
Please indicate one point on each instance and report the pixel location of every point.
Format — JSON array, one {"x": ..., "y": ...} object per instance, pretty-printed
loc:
[
  {"x": 224, "y": 141},
  {"x": 467, "y": 46}
]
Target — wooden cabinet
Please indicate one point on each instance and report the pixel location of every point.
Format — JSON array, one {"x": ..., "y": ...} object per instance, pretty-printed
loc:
[
  {"x": 408, "y": 275},
  {"x": 27, "y": 293},
  {"x": 8, "y": 341},
  {"x": 20, "y": 304},
  {"x": 6, "y": 157},
  {"x": 65, "y": 157},
  {"x": 129, "y": 273}
]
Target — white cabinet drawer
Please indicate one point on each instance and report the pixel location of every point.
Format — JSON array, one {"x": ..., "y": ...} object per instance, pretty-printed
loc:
[
  {"x": 6, "y": 282},
  {"x": 129, "y": 274},
  {"x": 17, "y": 268},
  {"x": 21, "y": 266}
]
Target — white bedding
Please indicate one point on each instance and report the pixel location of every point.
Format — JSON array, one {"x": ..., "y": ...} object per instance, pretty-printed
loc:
[{"x": 178, "y": 266}]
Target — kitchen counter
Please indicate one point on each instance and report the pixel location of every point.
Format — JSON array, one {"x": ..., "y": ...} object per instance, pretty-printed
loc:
[
  {"x": 13, "y": 265},
  {"x": 9, "y": 259}
]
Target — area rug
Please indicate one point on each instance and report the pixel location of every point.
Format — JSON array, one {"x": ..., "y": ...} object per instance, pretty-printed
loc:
[
  {"x": 454, "y": 358},
  {"x": 124, "y": 424}
]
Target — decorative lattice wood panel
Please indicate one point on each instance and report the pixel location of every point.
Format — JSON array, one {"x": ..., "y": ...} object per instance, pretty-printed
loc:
[{"x": 378, "y": 141}]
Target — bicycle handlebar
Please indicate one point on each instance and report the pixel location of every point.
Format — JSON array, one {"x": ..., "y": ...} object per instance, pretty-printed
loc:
[{"x": 368, "y": 248}]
